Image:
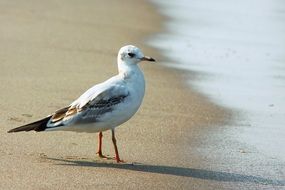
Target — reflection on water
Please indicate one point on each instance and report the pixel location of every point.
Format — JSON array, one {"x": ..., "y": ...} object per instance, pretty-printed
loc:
[{"x": 240, "y": 50}]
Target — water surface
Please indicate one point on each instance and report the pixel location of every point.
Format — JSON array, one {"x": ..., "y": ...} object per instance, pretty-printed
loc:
[{"x": 238, "y": 47}]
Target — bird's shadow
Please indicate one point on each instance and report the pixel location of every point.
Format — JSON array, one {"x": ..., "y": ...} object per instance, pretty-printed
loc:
[{"x": 176, "y": 171}]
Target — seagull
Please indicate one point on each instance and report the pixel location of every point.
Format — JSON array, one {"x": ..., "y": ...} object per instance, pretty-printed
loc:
[{"x": 104, "y": 106}]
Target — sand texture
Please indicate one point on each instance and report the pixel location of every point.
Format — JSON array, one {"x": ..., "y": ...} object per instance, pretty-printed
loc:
[{"x": 50, "y": 53}]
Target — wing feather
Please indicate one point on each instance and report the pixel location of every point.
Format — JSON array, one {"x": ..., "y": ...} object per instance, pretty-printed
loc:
[
  {"x": 92, "y": 109},
  {"x": 103, "y": 103}
]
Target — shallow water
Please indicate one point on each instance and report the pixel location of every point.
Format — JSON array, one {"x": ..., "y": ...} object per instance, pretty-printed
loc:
[{"x": 239, "y": 50}]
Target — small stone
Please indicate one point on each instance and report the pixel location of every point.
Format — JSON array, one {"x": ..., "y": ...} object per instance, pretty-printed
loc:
[
  {"x": 15, "y": 119},
  {"x": 27, "y": 115},
  {"x": 43, "y": 155},
  {"x": 242, "y": 151}
]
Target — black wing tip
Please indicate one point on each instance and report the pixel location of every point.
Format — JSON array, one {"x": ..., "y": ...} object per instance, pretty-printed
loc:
[
  {"x": 15, "y": 130},
  {"x": 37, "y": 126},
  {"x": 21, "y": 129},
  {"x": 18, "y": 129},
  {"x": 11, "y": 131}
]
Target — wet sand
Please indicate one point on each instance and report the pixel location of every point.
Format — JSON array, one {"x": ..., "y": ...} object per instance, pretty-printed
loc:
[
  {"x": 51, "y": 52},
  {"x": 236, "y": 60},
  {"x": 235, "y": 65}
]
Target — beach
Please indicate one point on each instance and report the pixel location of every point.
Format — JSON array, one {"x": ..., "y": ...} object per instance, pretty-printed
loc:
[{"x": 52, "y": 51}]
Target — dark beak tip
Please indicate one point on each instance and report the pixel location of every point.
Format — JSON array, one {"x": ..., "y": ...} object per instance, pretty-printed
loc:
[{"x": 147, "y": 58}]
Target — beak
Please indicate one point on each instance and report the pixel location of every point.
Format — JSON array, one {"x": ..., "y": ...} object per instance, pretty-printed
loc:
[{"x": 146, "y": 58}]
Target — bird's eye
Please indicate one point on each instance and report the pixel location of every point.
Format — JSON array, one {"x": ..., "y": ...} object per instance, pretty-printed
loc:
[{"x": 131, "y": 54}]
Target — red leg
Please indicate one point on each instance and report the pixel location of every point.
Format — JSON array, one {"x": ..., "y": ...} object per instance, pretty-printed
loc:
[
  {"x": 117, "y": 157},
  {"x": 99, "y": 152}
]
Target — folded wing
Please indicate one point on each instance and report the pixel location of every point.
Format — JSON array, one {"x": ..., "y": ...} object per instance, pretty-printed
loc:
[{"x": 92, "y": 109}]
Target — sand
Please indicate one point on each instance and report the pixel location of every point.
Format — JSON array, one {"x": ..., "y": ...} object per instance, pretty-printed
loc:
[{"x": 50, "y": 53}]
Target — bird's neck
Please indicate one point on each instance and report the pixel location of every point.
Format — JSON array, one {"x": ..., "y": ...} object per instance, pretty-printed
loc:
[{"x": 128, "y": 70}]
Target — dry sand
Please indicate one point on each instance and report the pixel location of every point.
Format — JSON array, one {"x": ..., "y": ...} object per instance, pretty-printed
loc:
[{"x": 50, "y": 53}]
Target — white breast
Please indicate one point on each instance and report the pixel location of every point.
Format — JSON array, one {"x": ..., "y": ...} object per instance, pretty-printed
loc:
[{"x": 135, "y": 84}]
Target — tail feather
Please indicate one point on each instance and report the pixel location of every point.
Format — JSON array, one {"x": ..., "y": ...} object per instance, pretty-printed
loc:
[{"x": 39, "y": 125}]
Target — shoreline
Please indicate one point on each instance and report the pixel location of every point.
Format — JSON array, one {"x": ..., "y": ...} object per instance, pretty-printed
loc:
[
  {"x": 237, "y": 145},
  {"x": 236, "y": 61}
]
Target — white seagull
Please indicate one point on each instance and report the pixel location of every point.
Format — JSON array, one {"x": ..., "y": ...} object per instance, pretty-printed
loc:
[{"x": 104, "y": 106}]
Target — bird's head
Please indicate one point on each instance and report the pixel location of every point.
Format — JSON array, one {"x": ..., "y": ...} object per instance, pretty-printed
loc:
[{"x": 132, "y": 55}]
